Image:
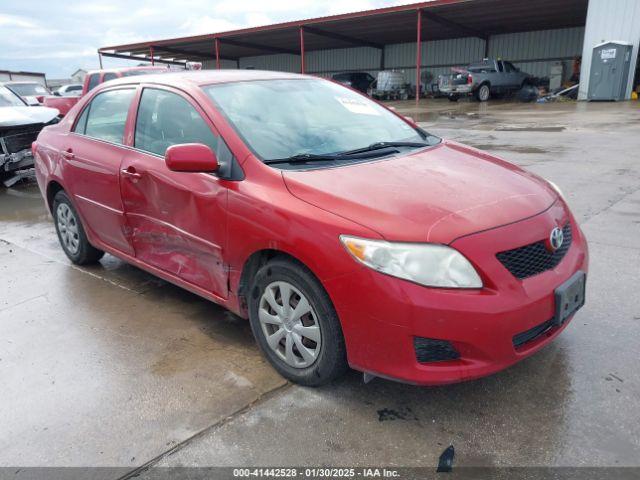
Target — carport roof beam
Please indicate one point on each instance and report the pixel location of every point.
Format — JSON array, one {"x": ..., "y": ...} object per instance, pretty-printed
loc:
[
  {"x": 142, "y": 58},
  {"x": 343, "y": 38},
  {"x": 188, "y": 54},
  {"x": 456, "y": 27},
  {"x": 257, "y": 46}
]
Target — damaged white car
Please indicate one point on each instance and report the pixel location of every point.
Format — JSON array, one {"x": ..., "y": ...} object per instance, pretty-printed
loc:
[{"x": 20, "y": 124}]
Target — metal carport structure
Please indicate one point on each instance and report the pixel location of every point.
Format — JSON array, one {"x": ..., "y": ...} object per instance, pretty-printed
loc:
[{"x": 377, "y": 29}]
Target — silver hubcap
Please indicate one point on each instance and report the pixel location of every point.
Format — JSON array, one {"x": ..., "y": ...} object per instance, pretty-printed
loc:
[
  {"x": 289, "y": 324},
  {"x": 484, "y": 92},
  {"x": 68, "y": 228}
]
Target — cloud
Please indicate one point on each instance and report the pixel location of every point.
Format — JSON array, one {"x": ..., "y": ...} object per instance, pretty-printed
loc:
[
  {"x": 16, "y": 21},
  {"x": 206, "y": 24}
]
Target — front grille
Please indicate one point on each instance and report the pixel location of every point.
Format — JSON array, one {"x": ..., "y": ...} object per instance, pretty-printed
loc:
[
  {"x": 432, "y": 350},
  {"x": 532, "y": 259},
  {"x": 19, "y": 139},
  {"x": 533, "y": 333}
]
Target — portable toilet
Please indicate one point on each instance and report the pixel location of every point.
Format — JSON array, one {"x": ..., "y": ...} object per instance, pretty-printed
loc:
[{"x": 610, "y": 71}]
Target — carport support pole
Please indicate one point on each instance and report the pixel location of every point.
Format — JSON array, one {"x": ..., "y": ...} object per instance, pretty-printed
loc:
[
  {"x": 301, "y": 50},
  {"x": 217, "y": 44},
  {"x": 100, "y": 60},
  {"x": 151, "y": 55},
  {"x": 418, "y": 54}
]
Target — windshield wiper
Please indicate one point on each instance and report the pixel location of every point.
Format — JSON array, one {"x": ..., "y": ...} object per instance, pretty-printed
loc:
[
  {"x": 348, "y": 154},
  {"x": 383, "y": 145},
  {"x": 302, "y": 158}
]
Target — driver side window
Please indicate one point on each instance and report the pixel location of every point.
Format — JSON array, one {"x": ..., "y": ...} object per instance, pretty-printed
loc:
[{"x": 165, "y": 119}]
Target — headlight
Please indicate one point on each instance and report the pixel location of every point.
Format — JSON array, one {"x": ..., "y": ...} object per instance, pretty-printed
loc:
[
  {"x": 556, "y": 188},
  {"x": 431, "y": 265}
]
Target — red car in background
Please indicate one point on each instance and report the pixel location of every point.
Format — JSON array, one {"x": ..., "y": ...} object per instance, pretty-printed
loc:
[
  {"x": 91, "y": 81},
  {"x": 346, "y": 234}
]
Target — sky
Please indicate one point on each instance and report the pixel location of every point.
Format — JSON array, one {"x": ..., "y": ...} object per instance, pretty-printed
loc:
[{"x": 57, "y": 38}]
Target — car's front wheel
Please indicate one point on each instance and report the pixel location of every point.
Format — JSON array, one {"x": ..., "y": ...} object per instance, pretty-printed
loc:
[
  {"x": 296, "y": 324},
  {"x": 71, "y": 234}
]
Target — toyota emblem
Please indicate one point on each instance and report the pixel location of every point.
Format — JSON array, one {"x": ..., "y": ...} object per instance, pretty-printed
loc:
[{"x": 556, "y": 238}]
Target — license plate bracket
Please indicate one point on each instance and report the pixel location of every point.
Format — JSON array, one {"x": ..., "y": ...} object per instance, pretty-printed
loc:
[{"x": 570, "y": 297}]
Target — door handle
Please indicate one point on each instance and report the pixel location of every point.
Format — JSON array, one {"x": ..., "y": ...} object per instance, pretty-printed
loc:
[
  {"x": 68, "y": 154},
  {"x": 131, "y": 173}
]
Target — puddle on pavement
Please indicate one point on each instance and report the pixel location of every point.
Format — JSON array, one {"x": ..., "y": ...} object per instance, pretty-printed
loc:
[
  {"x": 530, "y": 128},
  {"x": 508, "y": 148},
  {"x": 23, "y": 203}
]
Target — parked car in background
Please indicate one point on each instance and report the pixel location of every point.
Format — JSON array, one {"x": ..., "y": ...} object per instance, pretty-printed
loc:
[
  {"x": 73, "y": 90},
  {"x": 20, "y": 124},
  {"x": 92, "y": 80},
  {"x": 360, "y": 81},
  {"x": 32, "y": 93},
  {"x": 482, "y": 80},
  {"x": 345, "y": 233}
]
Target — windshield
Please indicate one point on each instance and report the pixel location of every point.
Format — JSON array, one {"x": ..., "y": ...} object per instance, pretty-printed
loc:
[
  {"x": 284, "y": 118},
  {"x": 27, "y": 89},
  {"x": 9, "y": 99}
]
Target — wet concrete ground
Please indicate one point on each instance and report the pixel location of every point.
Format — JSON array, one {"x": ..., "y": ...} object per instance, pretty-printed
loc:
[{"x": 110, "y": 366}]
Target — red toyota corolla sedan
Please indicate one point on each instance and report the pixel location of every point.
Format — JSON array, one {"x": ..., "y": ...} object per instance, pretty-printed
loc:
[{"x": 346, "y": 234}]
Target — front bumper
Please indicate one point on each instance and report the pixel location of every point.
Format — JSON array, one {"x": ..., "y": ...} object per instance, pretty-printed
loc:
[{"x": 381, "y": 316}]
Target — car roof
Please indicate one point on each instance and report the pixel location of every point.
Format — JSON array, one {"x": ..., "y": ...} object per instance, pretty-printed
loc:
[{"x": 206, "y": 77}]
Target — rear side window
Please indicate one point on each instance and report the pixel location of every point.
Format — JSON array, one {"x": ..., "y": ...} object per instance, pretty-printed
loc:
[
  {"x": 81, "y": 125},
  {"x": 105, "y": 117},
  {"x": 94, "y": 79},
  {"x": 108, "y": 76},
  {"x": 165, "y": 119}
]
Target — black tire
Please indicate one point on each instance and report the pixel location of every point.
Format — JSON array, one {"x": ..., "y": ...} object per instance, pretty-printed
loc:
[
  {"x": 483, "y": 92},
  {"x": 85, "y": 253},
  {"x": 453, "y": 98},
  {"x": 331, "y": 361}
]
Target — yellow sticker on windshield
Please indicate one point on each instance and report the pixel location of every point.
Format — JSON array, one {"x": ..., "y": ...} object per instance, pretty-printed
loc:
[{"x": 358, "y": 106}]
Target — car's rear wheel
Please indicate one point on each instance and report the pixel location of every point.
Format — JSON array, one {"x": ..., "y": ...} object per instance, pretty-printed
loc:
[
  {"x": 71, "y": 234},
  {"x": 483, "y": 93},
  {"x": 295, "y": 324}
]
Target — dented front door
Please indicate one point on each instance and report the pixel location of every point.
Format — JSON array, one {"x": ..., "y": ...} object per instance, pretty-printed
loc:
[{"x": 176, "y": 221}]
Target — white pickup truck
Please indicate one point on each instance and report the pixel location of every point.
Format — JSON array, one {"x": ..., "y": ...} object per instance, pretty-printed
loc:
[{"x": 482, "y": 80}]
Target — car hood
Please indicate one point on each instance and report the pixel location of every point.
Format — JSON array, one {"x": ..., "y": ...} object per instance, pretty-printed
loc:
[
  {"x": 15, "y": 116},
  {"x": 436, "y": 195}
]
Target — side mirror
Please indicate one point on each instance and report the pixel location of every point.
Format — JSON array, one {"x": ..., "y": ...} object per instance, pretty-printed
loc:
[{"x": 191, "y": 157}]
